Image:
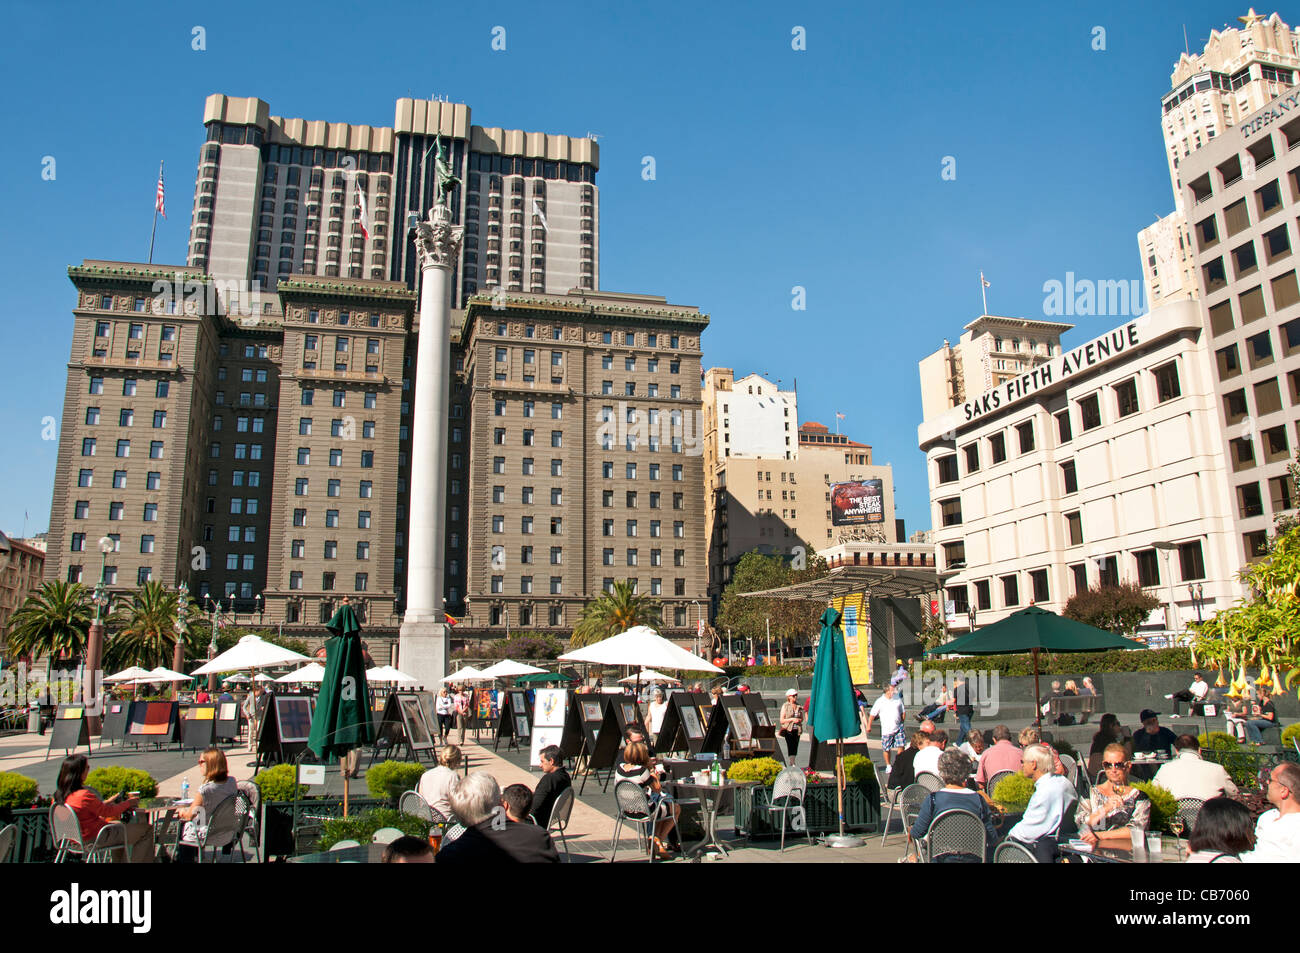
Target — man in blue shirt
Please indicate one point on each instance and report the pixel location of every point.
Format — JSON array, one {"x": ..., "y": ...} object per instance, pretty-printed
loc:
[{"x": 1052, "y": 802}]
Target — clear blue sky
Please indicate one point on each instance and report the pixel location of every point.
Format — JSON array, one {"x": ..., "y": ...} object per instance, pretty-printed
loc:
[{"x": 775, "y": 168}]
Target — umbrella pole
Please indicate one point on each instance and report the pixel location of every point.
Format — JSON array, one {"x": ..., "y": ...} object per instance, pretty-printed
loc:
[
  {"x": 1038, "y": 710},
  {"x": 345, "y": 789},
  {"x": 841, "y": 839}
]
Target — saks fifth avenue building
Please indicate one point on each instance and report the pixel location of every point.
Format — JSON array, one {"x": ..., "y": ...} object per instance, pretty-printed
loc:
[{"x": 1102, "y": 463}]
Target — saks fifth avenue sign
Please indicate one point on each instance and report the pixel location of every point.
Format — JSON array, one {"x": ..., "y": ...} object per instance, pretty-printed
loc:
[{"x": 1085, "y": 357}]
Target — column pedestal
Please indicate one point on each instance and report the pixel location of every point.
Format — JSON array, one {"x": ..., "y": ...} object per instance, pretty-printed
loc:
[{"x": 422, "y": 651}]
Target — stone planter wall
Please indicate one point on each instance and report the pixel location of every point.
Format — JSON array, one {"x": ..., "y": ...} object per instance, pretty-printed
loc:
[{"x": 821, "y": 812}]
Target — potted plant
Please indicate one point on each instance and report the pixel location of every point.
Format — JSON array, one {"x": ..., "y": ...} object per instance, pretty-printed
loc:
[
  {"x": 821, "y": 797},
  {"x": 390, "y": 779}
]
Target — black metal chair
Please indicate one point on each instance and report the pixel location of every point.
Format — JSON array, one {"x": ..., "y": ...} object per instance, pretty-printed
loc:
[
  {"x": 559, "y": 819},
  {"x": 910, "y": 802},
  {"x": 1010, "y": 852},
  {"x": 930, "y": 781},
  {"x": 634, "y": 808},
  {"x": 7, "y": 838},
  {"x": 954, "y": 833}
]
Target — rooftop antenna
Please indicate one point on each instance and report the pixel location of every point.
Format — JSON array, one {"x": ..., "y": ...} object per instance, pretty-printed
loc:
[
  {"x": 594, "y": 136},
  {"x": 1186, "y": 48}
]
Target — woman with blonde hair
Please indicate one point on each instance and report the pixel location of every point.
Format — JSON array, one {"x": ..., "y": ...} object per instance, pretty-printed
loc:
[
  {"x": 217, "y": 785},
  {"x": 436, "y": 784},
  {"x": 1115, "y": 808},
  {"x": 639, "y": 768}
]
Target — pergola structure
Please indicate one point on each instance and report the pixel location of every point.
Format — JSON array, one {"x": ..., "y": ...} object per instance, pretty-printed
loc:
[{"x": 885, "y": 582}]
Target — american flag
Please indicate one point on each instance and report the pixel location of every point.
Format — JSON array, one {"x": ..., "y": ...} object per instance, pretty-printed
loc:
[{"x": 158, "y": 199}]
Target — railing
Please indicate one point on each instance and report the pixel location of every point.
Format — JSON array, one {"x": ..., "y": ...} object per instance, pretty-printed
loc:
[{"x": 33, "y": 844}]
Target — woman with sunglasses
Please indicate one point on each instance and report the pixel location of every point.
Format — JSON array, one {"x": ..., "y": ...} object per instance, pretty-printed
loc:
[{"x": 1116, "y": 807}]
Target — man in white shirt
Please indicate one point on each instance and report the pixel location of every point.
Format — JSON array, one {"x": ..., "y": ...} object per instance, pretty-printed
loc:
[
  {"x": 1277, "y": 833},
  {"x": 1052, "y": 802},
  {"x": 927, "y": 759},
  {"x": 1194, "y": 693},
  {"x": 889, "y": 709},
  {"x": 1188, "y": 776}
]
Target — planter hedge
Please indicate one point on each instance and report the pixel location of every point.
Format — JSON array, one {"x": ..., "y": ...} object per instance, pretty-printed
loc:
[
  {"x": 113, "y": 780},
  {"x": 16, "y": 790},
  {"x": 821, "y": 811},
  {"x": 1068, "y": 663}
]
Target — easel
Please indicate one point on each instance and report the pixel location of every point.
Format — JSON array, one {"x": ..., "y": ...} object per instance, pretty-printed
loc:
[
  {"x": 70, "y": 730},
  {"x": 272, "y": 745},
  {"x": 682, "y": 729},
  {"x": 145, "y": 719},
  {"x": 621, "y": 712},
  {"x": 198, "y": 727},
  {"x": 113, "y": 727},
  {"x": 589, "y": 727}
]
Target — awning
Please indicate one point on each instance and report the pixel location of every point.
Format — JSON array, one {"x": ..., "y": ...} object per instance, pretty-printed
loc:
[{"x": 883, "y": 582}]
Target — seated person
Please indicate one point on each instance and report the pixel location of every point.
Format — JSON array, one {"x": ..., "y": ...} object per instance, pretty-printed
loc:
[
  {"x": 1194, "y": 693},
  {"x": 1188, "y": 776},
  {"x": 517, "y": 799},
  {"x": 216, "y": 786},
  {"x": 954, "y": 769},
  {"x": 638, "y": 767},
  {"x": 1235, "y": 713},
  {"x": 927, "y": 759},
  {"x": 1109, "y": 732},
  {"x": 1262, "y": 715},
  {"x": 1153, "y": 739},
  {"x": 489, "y": 838},
  {"x": 936, "y": 711},
  {"x": 1049, "y": 807},
  {"x": 553, "y": 783},
  {"x": 1002, "y": 755},
  {"x": 1032, "y": 736},
  {"x": 973, "y": 747},
  {"x": 902, "y": 773},
  {"x": 408, "y": 850},
  {"x": 94, "y": 814},
  {"x": 436, "y": 783},
  {"x": 1116, "y": 807},
  {"x": 1223, "y": 831}
]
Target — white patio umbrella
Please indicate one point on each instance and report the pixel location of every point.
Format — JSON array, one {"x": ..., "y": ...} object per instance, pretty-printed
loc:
[
  {"x": 235, "y": 679},
  {"x": 163, "y": 674},
  {"x": 386, "y": 673},
  {"x": 248, "y": 653},
  {"x": 650, "y": 675},
  {"x": 312, "y": 672},
  {"x": 508, "y": 667},
  {"x": 467, "y": 674},
  {"x": 134, "y": 673},
  {"x": 640, "y": 646},
  {"x": 262, "y": 677}
]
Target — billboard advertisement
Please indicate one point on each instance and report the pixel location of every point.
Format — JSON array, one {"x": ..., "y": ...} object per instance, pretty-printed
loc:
[{"x": 853, "y": 504}]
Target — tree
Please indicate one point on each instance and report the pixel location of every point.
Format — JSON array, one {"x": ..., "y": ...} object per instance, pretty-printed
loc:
[
  {"x": 613, "y": 612},
  {"x": 1118, "y": 608},
  {"x": 522, "y": 645},
  {"x": 54, "y": 620},
  {"x": 748, "y": 617},
  {"x": 145, "y": 628}
]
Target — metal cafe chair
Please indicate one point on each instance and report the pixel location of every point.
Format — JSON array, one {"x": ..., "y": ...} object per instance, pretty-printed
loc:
[
  {"x": 559, "y": 819},
  {"x": 386, "y": 835},
  {"x": 634, "y": 809},
  {"x": 246, "y": 818},
  {"x": 788, "y": 792},
  {"x": 953, "y": 832},
  {"x": 930, "y": 781},
  {"x": 66, "y": 830},
  {"x": 453, "y": 832},
  {"x": 910, "y": 802},
  {"x": 7, "y": 838},
  {"x": 411, "y": 803},
  {"x": 993, "y": 781},
  {"x": 1009, "y": 852},
  {"x": 1189, "y": 809},
  {"x": 216, "y": 830},
  {"x": 1071, "y": 768}
]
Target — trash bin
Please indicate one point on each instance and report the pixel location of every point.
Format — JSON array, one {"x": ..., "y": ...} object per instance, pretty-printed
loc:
[{"x": 34, "y": 719}]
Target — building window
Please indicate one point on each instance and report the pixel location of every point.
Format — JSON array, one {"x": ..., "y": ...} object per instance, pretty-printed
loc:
[
  {"x": 1025, "y": 432},
  {"x": 1090, "y": 412},
  {"x": 1167, "y": 387},
  {"x": 1148, "y": 567},
  {"x": 1074, "y": 528},
  {"x": 1191, "y": 561},
  {"x": 972, "y": 457},
  {"x": 1069, "y": 478},
  {"x": 998, "y": 447},
  {"x": 1010, "y": 591},
  {"x": 1126, "y": 398},
  {"x": 948, "y": 469},
  {"x": 1038, "y": 577}
]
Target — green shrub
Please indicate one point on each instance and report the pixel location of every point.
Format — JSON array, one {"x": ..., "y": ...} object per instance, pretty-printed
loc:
[
  {"x": 1117, "y": 660},
  {"x": 858, "y": 767},
  {"x": 1222, "y": 748},
  {"x": 768, "y": 671},
  {"x": 1290, "y": 733},
  {"x": 116, "y": 780},
  {"x": 1013, "y": 792},
  {"x": 760, "y": 770},
  {"x": 1064, "y": 747},
  {"x": 361, "y": 827},
  {"x": 276, "y": 784},
  {"x": 391, "y": 778},
  {"x": 16, "y": 790},
  {"x": 1163, "y": 804}
]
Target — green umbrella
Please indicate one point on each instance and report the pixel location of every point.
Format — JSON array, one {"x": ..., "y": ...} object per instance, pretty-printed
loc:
[
  {"x": 832, "y": 709},
  {"x": 342, "y": 720},
  {"x": 543, "y": 677},
  {"x": 1034, "y": 630}
]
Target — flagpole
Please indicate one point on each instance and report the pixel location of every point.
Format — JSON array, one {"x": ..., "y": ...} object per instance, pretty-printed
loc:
[
  {"x": 984, "y": 293},
  {"x": 154, "y": 229}
]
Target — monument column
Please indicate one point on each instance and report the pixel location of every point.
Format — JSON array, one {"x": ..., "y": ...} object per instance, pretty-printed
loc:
[{"x": 422, "y": 646}]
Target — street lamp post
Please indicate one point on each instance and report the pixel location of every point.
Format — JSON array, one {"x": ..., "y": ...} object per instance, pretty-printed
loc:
[
  {"x": 1168, "y": 549},
  {"x": 95, "y": 636},
  {"x": 1197, "y": 592},
  {"x": 182, "y": 627},
  {"x": 261, "y": 608}
]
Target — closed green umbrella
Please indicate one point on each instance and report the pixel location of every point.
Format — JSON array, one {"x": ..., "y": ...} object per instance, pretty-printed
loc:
[
  {"x": 1035, "y": 630},
  {"x": 833, "y": 710},
  {"x": 343, "y": 719}
]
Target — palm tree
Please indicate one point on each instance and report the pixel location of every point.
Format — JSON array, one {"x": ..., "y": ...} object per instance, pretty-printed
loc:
[
  {"x": 53, "y": 621},
  {"x": 613, "y": 612},
  {"x": 145, "y": 624}
]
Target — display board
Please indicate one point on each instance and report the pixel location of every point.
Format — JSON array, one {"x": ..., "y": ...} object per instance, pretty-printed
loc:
[
  {"x": 588, "y": 716},
  {"x": 227, "y": 721},
  {"x": 70, "y": 729},
  {"x": 428, "y": 706},
  {"x": 418, "y": 730},
  {"x": 113, "y": 726},
  {"x": 620, "y": 712},
  {"x": 512, "y": 720},
  {"x": 152, "y": 723},
  {"x": 551, "y": 716},
  {"x": 285, "y": 727},
  {"x": 198, "y": 726},
  {"x": 404, "y": 725},
  {"x": 716, "y": 728},
  {"x": 682, "y": 729}
]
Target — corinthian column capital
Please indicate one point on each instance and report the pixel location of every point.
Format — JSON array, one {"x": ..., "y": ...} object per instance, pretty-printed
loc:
[{"x": 437, "y": 241}]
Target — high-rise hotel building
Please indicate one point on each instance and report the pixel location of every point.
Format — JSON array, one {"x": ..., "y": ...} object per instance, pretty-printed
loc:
[{"x": 277, "y": 196}]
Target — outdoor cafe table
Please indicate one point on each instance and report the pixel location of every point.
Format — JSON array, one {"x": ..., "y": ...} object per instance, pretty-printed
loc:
[
  {"x": 1144, "y": 769},
  {"x": 160, "y": 811},
  {"x": 361, "y": 854},
  {"x": 1121, "y": 853},
  {"x": 710, "y": 797}
]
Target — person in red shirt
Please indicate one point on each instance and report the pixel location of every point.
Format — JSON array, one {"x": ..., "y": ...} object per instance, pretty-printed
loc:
[{"x": 93, "y": 813}]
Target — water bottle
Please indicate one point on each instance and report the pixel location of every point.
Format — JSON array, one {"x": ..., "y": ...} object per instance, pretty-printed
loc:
[{"x": 185, "y": 788}]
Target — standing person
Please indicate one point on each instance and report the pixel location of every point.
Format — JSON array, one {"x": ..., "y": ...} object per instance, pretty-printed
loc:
[
  {"x": 963, "y": 697},
  {"x": 1263, "y": 715},
  {"x": 655, "y": 712},
  {"x": 252, "y": 708},
  {"x": 461, "y": 705},
  {"x": 791, "y": 720},
  {"x": 900, "y": 674},
  {"x": 445, "y": 709},
  {"x": 889, "y": 709}
]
